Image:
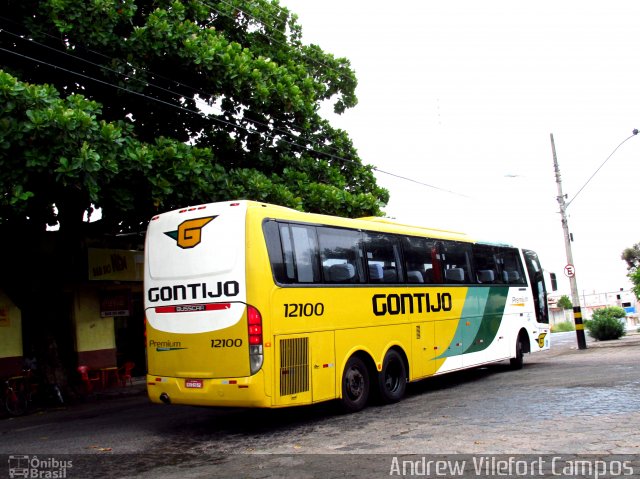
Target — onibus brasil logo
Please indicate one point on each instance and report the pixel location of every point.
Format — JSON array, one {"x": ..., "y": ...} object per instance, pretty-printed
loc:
[{"x": 189, "y": 232}]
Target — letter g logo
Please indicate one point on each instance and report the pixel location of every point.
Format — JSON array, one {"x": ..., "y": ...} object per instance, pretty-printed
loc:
[{"x": 189, "y": 232}]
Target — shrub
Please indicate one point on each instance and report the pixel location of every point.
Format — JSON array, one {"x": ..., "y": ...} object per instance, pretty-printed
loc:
[
  {"x": 562, "y": 327},
  {"x": 564, "y": 302},
  {"x": 607, "y": 323}
]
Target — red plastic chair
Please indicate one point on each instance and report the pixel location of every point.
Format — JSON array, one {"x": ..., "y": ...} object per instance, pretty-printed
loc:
[
  {"x": 87, "y": 377},
  {"x": 124, "y": 373}
]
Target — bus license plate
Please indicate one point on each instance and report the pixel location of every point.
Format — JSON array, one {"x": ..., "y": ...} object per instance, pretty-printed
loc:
[{"x": 193, "y": 383}]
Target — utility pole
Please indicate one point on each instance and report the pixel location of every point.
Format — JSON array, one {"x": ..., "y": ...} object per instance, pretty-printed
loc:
[{"x": 569, "y": 269}]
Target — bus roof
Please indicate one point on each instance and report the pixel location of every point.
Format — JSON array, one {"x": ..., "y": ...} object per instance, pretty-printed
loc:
[
  {"x": 366, "y": 223},
  {"x": 372, "y": 223}
]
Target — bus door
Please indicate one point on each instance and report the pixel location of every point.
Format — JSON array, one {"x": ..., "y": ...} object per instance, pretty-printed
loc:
[
  {"x": 448, "y": 344},
  {"x": 323, "y": 365},
  {"x": 536, "y": 279},
  {"x": 423, "y": 349},
  {"x": 538, "y": 290}
]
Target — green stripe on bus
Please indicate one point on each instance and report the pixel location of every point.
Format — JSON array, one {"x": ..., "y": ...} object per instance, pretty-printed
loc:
[
  {"x": 491, "y": 319},
  {"x": 480, "y": 320}
]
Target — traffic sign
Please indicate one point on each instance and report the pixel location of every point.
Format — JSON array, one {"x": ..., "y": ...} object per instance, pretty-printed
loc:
[{"x": 570, "y": 270}]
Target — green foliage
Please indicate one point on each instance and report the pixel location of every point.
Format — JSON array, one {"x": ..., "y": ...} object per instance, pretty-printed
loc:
[
  {"x": 562, "y": 327},
  {"x": 57, "y": 151},
  {"x": 632, "y": 256},
  {"x": 634, "y": 276},
  {"x": 119, "y": 124},
  {"x": 607, "y": 323},
  {"x": 564, "y": 302}
]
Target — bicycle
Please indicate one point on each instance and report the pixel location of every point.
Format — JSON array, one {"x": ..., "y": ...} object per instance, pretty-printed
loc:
[
  {"x": 16, "y": 395},
  {"x": 21, "y": 392}
]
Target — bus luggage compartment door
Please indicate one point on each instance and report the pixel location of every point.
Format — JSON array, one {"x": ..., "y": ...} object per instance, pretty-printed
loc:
[
  {"x": 305, "y": 368},
  {"x": 292, "y": 370}
]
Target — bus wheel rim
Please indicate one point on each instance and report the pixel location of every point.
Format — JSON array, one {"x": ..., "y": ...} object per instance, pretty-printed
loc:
[{"x": 355, "y": 383}]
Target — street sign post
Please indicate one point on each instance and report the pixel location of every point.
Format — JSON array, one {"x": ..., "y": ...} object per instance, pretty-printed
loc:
[{"x": 570, "y": 271}]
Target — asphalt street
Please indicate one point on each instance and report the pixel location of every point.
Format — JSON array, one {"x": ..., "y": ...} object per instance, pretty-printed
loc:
[{"x": 565, "y": 401}]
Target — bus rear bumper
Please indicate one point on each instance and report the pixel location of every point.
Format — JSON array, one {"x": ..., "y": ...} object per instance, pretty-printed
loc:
[{"x": 231, "y": 392}]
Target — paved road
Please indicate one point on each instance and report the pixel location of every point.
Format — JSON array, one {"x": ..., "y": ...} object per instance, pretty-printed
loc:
[{"x": 565, "y": 401}]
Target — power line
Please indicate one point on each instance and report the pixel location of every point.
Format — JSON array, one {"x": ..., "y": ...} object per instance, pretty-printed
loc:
[
  {"x": 248, "y": 15},
  {"x": 303, "y": 147},
  {"x": 102, "y": 67},
  {"x": 420, "y": 183},
  {"x": 145, "y": 82},
  {"x": 635, "y": 132}
]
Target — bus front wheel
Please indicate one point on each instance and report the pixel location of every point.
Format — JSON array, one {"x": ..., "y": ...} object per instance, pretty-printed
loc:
[
  {"x": 355, "y": 385},
  {"x": 392, "y": 380}
]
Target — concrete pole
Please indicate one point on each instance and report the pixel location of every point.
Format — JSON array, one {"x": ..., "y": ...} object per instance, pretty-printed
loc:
[{"x": 575, "y": 297}]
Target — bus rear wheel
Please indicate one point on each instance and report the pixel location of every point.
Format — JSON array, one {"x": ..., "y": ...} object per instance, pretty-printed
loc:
[
  {"x": 392, "y": 380},
  {"x": 355, "y": 385},
  {"x": 518, "y": 362}
]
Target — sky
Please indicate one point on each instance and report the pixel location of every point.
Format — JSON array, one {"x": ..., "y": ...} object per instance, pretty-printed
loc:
[{"x": 464, "y": 95}]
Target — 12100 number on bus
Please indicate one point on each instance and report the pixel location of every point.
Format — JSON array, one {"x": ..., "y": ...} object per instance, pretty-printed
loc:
[{"x": 300, "y": 310}]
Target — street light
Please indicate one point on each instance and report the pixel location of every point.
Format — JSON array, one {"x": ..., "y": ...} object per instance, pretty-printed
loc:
[{"x": 570, "y": 269}]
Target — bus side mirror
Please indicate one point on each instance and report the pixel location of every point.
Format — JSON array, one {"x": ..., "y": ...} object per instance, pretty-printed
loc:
[{"x": 554, "y": 282}]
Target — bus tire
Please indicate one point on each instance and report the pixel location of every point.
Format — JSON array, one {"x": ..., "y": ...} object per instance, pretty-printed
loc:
[
  {"x": 392, "y": 380},
  {"x": 355, "y": 385},
  {"x": 518, "y": 362}
]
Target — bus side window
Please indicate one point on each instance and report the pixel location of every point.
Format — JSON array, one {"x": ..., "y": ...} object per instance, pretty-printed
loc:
[
  {"x": 382, "y": 256},
  {"x": 340, "y": 255},
  {"x": 305, "y": 252},
  {"x": 485, "y": 264},
  {"x": 287, "y": 252},
  {"x": 457, "y": 262},
  {"x": 510, "y": 266},
  {"x": 293, "y": 252},
  {"x": 418, "y": 260},
  {"x": 274, "y": 247}
]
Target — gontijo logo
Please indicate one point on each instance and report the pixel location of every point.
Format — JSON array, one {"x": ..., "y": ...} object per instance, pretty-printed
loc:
[
  {"x": 541, "y": 339},
  {"x": 189, "y": 232}
]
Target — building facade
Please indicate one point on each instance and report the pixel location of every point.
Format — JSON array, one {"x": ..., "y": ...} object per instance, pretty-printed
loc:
[{"x": 99, "y": 321}]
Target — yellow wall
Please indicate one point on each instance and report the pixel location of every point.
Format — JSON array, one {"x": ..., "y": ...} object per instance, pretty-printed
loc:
[
  {"x": 10, "y": 328},
  {"x": 92, "y": 331}
]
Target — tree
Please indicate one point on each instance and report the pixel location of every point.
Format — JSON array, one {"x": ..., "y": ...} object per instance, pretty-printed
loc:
[
  {"x": 564, "y": 302},
  {"x": 140, "y": 106},
  {"x": 632, "y": 258},
  {"x": 167, "y": 103}
]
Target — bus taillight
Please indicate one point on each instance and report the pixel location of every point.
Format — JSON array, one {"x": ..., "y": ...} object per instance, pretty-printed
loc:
[{"x": 254, "y": 323}]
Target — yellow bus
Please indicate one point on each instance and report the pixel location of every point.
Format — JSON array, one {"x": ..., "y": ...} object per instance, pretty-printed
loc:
[{"x": 254, "y": 305}]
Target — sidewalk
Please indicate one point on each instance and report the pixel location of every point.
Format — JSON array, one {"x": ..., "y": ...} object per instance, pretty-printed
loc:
[
  {"x": 138, "y": 387},
  {"x": 631, "y": 338}
]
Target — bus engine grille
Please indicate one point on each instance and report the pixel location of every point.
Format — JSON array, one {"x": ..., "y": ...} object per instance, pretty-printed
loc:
[{"x": 294, "y": 366}]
